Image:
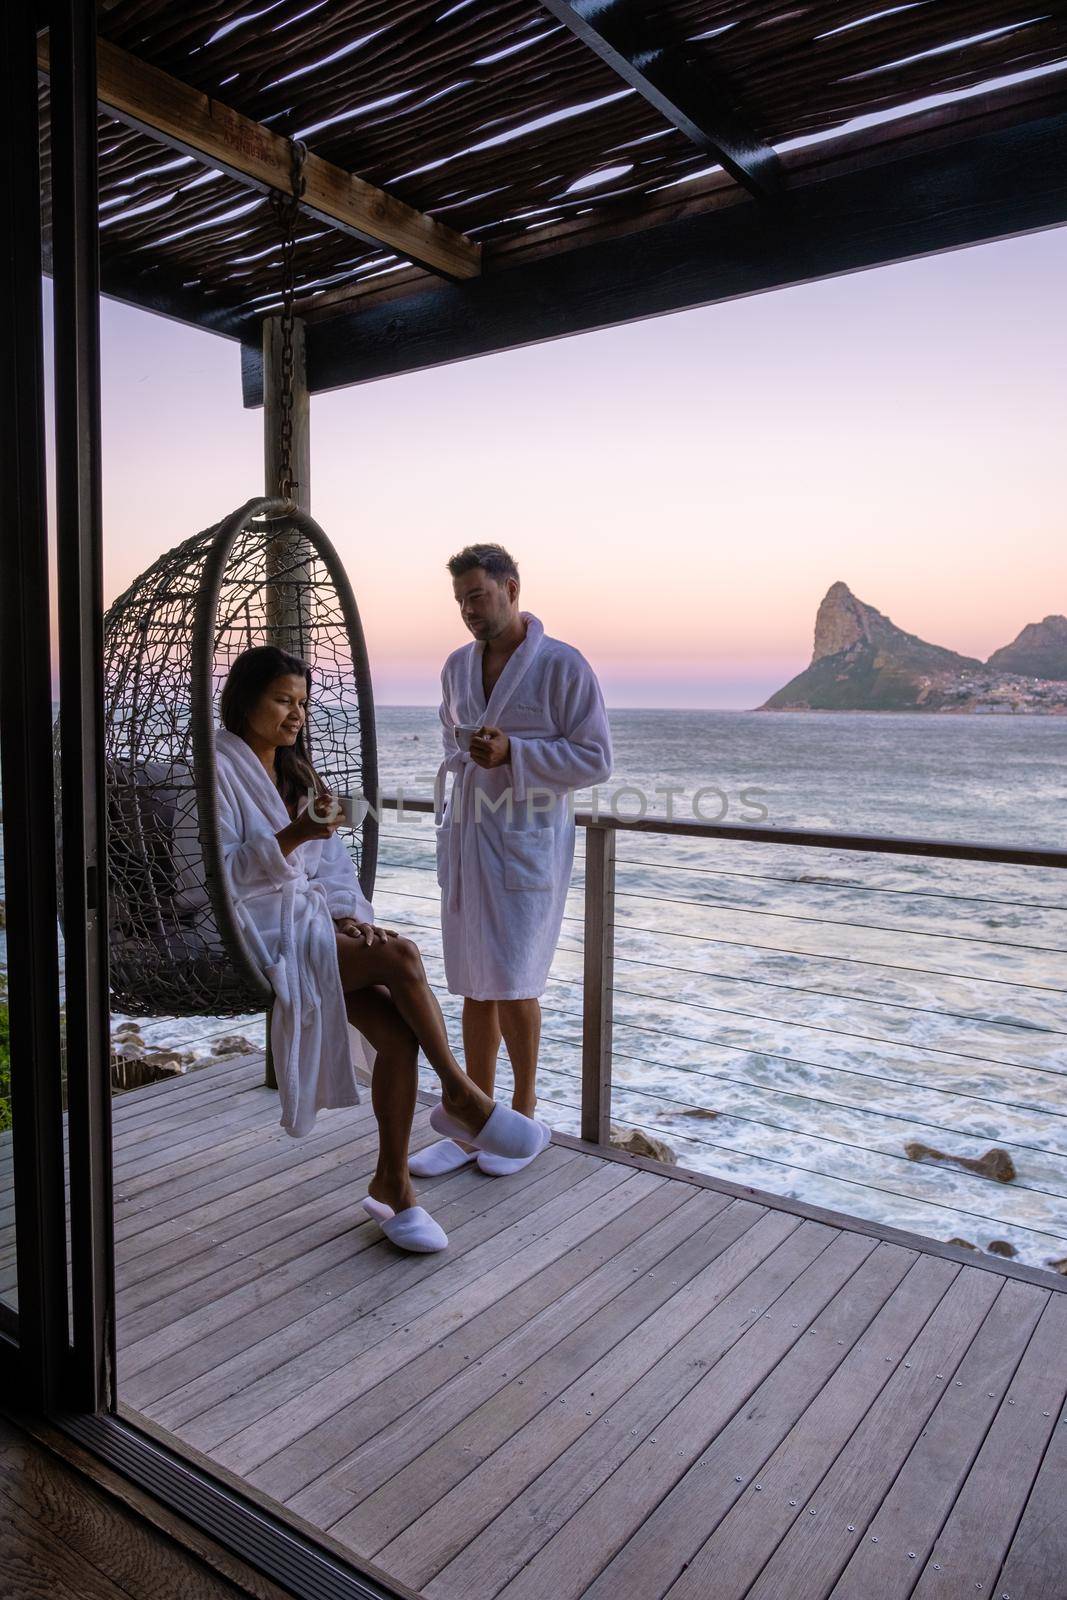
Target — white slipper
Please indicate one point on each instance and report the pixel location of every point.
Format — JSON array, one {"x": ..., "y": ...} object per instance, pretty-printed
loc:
[
  {"x": 501, "y": 1166},
  {"x": 413, "y": 1229},
  {"x": 506, "y": 1132},
  {"x": 444, "y": 1155}
]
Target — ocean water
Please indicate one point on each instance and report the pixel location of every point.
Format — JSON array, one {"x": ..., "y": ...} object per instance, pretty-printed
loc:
[
  {"x": 798, "y": 1019},
  {"x": 808, "y": 1021}
]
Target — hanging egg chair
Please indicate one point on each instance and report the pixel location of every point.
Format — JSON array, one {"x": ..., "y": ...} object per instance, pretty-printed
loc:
[{"x": 266, "y": 575}]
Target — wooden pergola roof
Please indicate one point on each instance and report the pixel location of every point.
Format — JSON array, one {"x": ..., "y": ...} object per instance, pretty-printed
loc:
[{"x": 484, "y": 173}]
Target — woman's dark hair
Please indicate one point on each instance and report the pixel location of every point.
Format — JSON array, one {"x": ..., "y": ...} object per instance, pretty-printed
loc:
[{"x": 251, "y": 673}]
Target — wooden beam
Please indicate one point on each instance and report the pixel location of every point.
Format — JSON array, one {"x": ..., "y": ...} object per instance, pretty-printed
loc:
[
  {"x": 184, "y": 119},
  {"x": 1010, "y": 181},
  {"x": 698, "y": 104},
  {"x": 857, "y": 150}
]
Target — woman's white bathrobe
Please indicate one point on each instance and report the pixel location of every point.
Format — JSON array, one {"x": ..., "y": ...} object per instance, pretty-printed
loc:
[
  {"x": 505, "y": 843},
  {"x": 286, "y": 905}
]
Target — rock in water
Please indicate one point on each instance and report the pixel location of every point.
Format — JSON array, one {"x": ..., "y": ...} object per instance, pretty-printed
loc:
[
  {"x": 636, "y": 1143},
  {"x": 996, "y": 1163},
  {"x": 233, "y": 1044},
  {"x": 1001, "y": 1247}
]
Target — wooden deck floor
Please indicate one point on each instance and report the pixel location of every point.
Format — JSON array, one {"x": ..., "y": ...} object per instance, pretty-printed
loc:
[{"x": 615, "y": 1383}]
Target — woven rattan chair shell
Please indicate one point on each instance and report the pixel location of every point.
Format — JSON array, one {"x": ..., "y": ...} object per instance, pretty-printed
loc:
[{"x": 267, "y": 574}]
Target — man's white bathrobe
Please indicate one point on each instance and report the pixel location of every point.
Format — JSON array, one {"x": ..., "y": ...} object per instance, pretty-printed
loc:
[
  {"x": 286, "y": 905},
  {"x": 505, "y": 843}
]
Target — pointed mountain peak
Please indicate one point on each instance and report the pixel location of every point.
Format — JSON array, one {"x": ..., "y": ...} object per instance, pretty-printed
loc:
[{"x": 843, "y": 621}]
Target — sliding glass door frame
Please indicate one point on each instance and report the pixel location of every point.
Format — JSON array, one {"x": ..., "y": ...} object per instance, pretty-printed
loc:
[{"x": 57, "y": 1358}]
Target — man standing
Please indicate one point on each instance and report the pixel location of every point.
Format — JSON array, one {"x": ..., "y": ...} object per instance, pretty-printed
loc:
[{"x": 524, "y": 725}]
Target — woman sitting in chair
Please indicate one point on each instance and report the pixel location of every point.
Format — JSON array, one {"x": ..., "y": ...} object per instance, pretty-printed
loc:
[{"x": 298, "y": 898}]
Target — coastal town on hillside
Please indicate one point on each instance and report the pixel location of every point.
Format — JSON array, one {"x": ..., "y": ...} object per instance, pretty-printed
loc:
[{"x": 861, "y": 661}]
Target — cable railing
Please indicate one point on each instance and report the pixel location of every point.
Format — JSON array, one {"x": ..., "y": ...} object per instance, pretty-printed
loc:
[{"x": 900, "y": 1056}]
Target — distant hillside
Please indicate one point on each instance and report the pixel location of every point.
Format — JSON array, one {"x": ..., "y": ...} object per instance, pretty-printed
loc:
[
  {"x": 1040, "y": 651},
  {"x": 861, "y": 661}
]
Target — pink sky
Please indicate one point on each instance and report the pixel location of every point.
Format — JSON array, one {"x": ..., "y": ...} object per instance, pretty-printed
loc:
[{"x": 679, "y": 493}]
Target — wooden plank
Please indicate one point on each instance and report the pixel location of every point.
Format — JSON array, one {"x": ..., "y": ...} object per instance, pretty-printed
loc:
[
  {"x": 128, "y": 1499},
  {"x": 439, "y": 1324},
  {"x": 205, "y": 1285},
  {"x": 1037, "y": 1558},
  {"x": 962, "y": 194},
  {"x": 425, "y": 1465},
  {"x": 137, "y": 1107},
  {"x": 976, "y": 1260},
  {"x": 363, "y": 1447},
  {"x": 975, "y": 1539},
  {"x": 830, "y": 1474},
  {"x": 221, "y": 1351},
  {"x": 737, "y": 1536},
  {"x": 574, "y": 1516},
  {"x": 132, "y": 1103},
  {"x": 242, "y": 1174},
  {"x": 206, "y": 1135},
  {"x": 36, "y": 1564},
  {"x": 696, "y": 1482},
  {"x": 186, "y": 1110},
  {"x": 598, "y": 982},
  {"x": 701, "y": 1319},
  {"x": 160, "y": 105},
  {"x": 56, "y": 1505},
  {"x": 146, "y": 1182},
  {"x": 286, "y": 1403},
  {"x": 282, "y": 1205},
  {"x": 912, "y": 1514},
  {"x": 222, "y": 1296},
  {"x": 177, "y": 1266}
]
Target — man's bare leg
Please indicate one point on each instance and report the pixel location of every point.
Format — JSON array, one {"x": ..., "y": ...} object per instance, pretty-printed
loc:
[
  {"x": 520, "y": 1024},
  {"x": 481, "y": 1042},
  {"x": 481, "y": 1046}
]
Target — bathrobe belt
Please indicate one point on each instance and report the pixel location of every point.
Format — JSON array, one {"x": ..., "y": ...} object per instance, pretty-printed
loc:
[
  {"x": 458, "y": 805},
  {"x": 310, "y": 995}
]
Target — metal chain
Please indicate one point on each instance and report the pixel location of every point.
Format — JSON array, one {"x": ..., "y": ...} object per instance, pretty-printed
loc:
[{"x": 287, "y": 209}]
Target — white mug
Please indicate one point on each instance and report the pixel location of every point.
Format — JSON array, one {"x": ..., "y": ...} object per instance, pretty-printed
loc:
[
  {"x": 315, "y": 805},
  {"x": 358, "y": 806},
  {"x": 464, "y": 736}
]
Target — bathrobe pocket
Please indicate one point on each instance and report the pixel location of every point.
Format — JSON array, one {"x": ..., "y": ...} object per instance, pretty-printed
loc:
[
  {"x": 529, "y": 858},
  {"x": 441, "y": 839}
]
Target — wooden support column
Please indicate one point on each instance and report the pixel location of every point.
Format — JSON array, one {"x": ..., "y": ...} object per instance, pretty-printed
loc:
[
  {"x": 597, "y": 1005},
  {"x": 287, "y": 595},
  {"x": 288, "y": 571}
]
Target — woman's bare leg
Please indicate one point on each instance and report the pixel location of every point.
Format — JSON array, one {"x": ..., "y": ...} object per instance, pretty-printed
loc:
[
  {"x": 397, "y": 965},
  {"x": 394, "y": 1087}
]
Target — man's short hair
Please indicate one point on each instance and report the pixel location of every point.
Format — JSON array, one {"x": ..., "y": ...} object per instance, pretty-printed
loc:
[{"x": 492, "y": 558}]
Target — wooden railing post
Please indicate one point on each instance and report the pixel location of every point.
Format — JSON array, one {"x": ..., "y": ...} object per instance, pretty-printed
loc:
[
  {"x": 599, "y": 978},
  {"x": 270, "y": 1076}
]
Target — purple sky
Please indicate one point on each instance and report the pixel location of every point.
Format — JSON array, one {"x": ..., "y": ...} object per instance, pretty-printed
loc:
[{"x": 679, "y": 493}]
